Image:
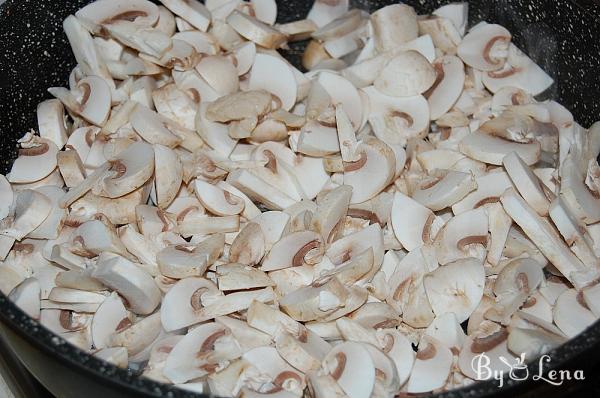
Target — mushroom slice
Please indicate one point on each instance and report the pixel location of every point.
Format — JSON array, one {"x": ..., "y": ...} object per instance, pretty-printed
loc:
[
  {"x": 36, "y": 160},
  {"x": 575, "y": 193},
  {"x": 239, "y": 106},
  {"x": 397, "y": 347},
  {"x": 571, "y": 231},
  {"x": 355, "y": 244},
  {"x": 78, "y": 279},
  {"x": 94, "y": 237},
  {"x": 247, "y": 336},
  {"x": 542, "y": 234},
  {"x": 71, "y": 167},
  {"x": 513, "y": 286},
  {"x": 317, "y": 140},
  {"x": 533, "y": 343},
  {"x": 332, "y": 209},
  {"x": 249, "y": 245},
  {"x": 528, "y": 184},
  {"x": 431, "y": 368},
  {"x": 139, "y": 245},
  {"x": 271, "y": 321},
  {"x": 259, "y": 190},
  {"x": 116, "y": 356},
  {"x": 361, "y": 175},
  {"x": 272, "y": 224},
  {"x": 489, "y": 189},
  {"x": 485, "y": 47},
  {"x": 395, "y": 120},
  {"x": 447, "y": 330},
  {"x": 346, "y": 24},
  {"x": 489, "y": 149},
  {"x": 255, "y": 30},
  {"x": 204, "y": 350},
  {"x": 571, "y": 314},
  {"x": 456, "y": 287},
  {"x": 182, "y": 303},
  {"x": 323, "y": 12},
  {"x": 352, "y": 330},
  {"x": 293, "y": 250},
  {"x": 27, "y": 297},
  {"x": 413, "y": 223},
  {"x": 315, "y": 301},
  {"x": 304, "y": 352},
  {"x": 283, "y": 88},
  {"x": 499, "y": 224},
  {"x": 94, "y": 15},
  {"x": 51, "y": 124},
  {"x": 111, "y": 316},
  {"x": 217, "y": 200},
  {"x": 219, "y": 73},
  {"x": 407, "y": 74},
  {"x": 297, "y": 30},
  {"x": 491, "y": 339},
  {"x": 215, "y": 134},
  {"x": 241, "y": 277},
  {"x": 520, "y": 71},
  {"x": 346, "y": 136},
  {"x": 278, "y": 378},
  {"x": 75, "y": 296},
  {"x": 53, "y": 223},
  {"x": 454, "y": 240},
  {"x": 342, "y": 91},
  {"x": 151, "y": 128},
  {"x": 138, "y": 337},
  {"x": 131, "y": 169},
  {"x": 449, "y": 189},
  {"x": 151, "y": 220},
  {"x": 129, "y": 280},
  {"x": 181, "y": 261},
  {"x": 234, "y": 302},
  {"x": 393, "y": 26},
  {"x": 448, "y": 86},
  {"x": 323, "y": 386},
  {"x": 95, "y": 103},
  {"x": 345, "y": 362},
  {"x": 168, "y": 174},
  {"x": 193, "y": 12},
  {"x": 443, "y": 32},
  {"x": 6, "y": 197},
  {"x": 31, "y": 208}
]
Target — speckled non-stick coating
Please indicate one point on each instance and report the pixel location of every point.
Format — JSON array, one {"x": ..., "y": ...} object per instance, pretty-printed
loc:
[{"x": 34, "y": 54}]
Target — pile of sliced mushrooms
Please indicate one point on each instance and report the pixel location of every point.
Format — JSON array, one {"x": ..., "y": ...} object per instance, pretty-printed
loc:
[{"x": 196, "y": 208}]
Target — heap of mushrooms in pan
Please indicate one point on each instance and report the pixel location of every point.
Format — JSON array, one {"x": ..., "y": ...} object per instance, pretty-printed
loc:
[{"x": 195, "y": 207}]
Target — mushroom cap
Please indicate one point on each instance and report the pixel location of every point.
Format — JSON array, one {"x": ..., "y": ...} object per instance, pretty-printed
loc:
[
  {"x": 350, "y": 364},
  {"x": 407, "y": 74},
  {"x": 449, "y": 290},
  {"x": 484, "y": 47}
]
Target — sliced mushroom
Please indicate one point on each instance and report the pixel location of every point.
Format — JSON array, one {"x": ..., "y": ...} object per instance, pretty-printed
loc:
[
  {"x": 571, "y": 314},
  {"x": 431, "y": 368},
  {"x": 413, "y": 223},
  {"x": 37, "y": 159},
  {"x": 181, "y": 261},
  {"x": 485, "y": 47},
  {"x": 394, "y": 25},
  {"x": 204, "y": 350},
  {"x": 457, "y": 237},
  {"x": 519, "y": 71},
  {"x": 407, "y": 74},
  {"x": 133, "y": 283},
  {"x": 344, "y": 362},
  {"x": 489, "y": 189},
  {"x": 27, "y": 297},
  {"x": 541, "y": 233},
  {"x": 30, "y": 210},
  {"x": 293, "y": 250},
  {"x": 489, "y": 149},
  {"x": 256, "y": 31},
  {"x": 111, "y": 316},
  {"x": 315, "y": 301},
  {"x": 446, "y": 90},
  {"x": 449, "y": 189},
  {"x": 241, "y": 277},
  {"x": 279, "y": 379}
]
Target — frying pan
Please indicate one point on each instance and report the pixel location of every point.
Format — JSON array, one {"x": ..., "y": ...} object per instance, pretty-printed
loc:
[{"x": 561, "y": 36}]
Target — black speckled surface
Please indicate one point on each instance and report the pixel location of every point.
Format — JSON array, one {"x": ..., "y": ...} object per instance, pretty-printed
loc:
[{"x": 561, "y": 36}]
